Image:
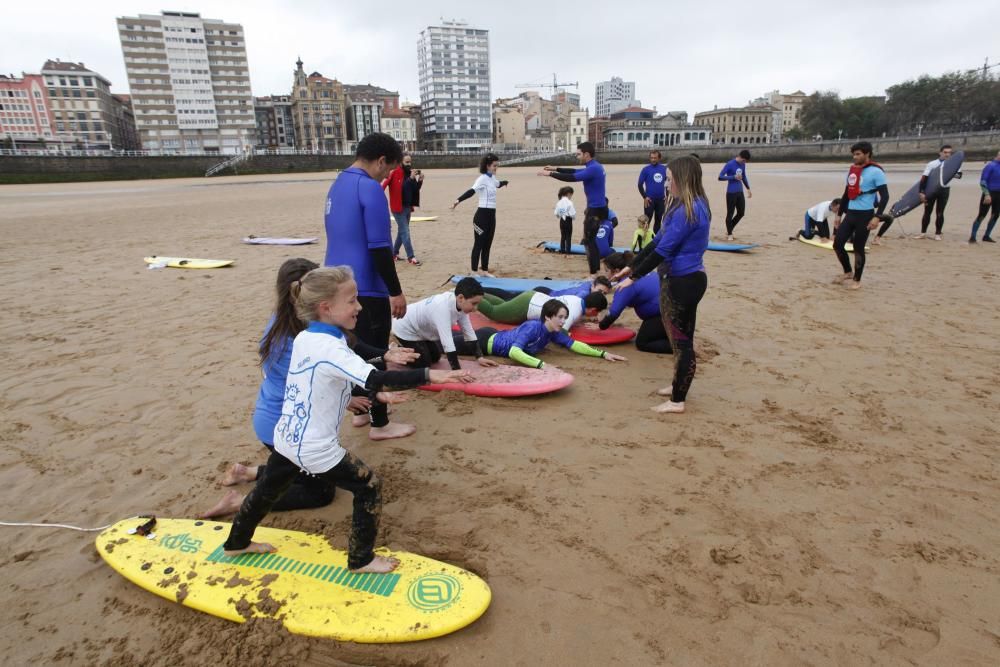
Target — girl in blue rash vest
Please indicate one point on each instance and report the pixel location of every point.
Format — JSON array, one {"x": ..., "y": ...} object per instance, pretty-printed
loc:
[
  {"x": 530, "y": 338},
  {"x": 321, "y": 373},
  {"x": 605, "y": 238},
  {"x": 679, "y": 252},
  {"x": 643, "y": 296},
  {"x": 275, "y": 353}
]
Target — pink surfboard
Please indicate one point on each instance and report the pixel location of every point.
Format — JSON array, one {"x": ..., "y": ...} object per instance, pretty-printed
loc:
[
  {"x": 610, "y": 336},
  {"x": 503, "y": 381}
]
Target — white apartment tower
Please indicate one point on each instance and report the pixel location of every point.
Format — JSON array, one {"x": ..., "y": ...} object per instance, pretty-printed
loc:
[
  {"x": 453, "y": 61},
  {"x": 190, "y": 82},
  {"x": 614, "y": 95}
]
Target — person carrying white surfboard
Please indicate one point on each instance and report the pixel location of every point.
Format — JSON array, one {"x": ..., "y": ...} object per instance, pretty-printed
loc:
[
  {"x": 321, "y": 373},
  {"x": 866, "y": 187}
]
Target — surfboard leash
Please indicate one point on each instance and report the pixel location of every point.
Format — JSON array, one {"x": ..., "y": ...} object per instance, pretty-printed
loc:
[{"x": 143, "y": 529}]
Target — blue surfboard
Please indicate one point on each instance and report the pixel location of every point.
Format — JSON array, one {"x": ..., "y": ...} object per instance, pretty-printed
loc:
[
  {"x": 577, "y": 249},
  {"x": 522, "y": 284}
]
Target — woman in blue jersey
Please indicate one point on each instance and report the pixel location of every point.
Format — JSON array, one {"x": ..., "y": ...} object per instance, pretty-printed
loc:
[
  {"x": 644, "y": 297},
  {"x": 678, "y": 257},
  {"x": 274, "y": 353},
  {"x": 530, "y": 338}
]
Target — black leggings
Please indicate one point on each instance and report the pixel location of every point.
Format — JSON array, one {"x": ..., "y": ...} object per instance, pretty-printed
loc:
[
  {"x": 483, "y": 335},
  {"x": 853, "y": 228},
  {"x": 350, "y": 474},
  {"x": 983, "y": 208},
  {"x": 592, "y": 220},
  {"x": 484, "y": 226},
  {"x": 306, "y": 492},
  {"x": 565, "y": 234},
  {"x": 652, "y": 337},
  {"x": 373, "y": 327},
  {"x": 941, "y": 199},
  {"x": 679, "y": 298},
  {"x": 736, "y": 206},
  {"x": 655, "y": 212}
]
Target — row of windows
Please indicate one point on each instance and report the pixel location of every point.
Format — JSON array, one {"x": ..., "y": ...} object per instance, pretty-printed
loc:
[
  {"x": 22, "y": 121},
  {"x": 88, "y": 82},
  {"x": 185, "y": 40},
  {"x": 21, "y": 107}
]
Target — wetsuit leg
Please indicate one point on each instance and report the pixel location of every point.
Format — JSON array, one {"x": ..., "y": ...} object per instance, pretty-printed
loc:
[
  {"x": 679, "y": 298},
  {"x": 942, "y": 202},
  {"x": 514, "y": 311},
  {"x": 652, "y": 337},
  {"x": 351, "y": 474},
  {"x": 373, "y": 327},
  {"x": 591, "y": 223},
  {"x": 277, "y": 475}
]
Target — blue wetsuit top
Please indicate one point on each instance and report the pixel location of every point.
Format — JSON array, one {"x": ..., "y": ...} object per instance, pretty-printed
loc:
[
  {"x": 581, "y": 290},
  {"x": 991, "y": 176},
  {"x": 267, "y": 410},
  {"x": 653, "y": 181},
  {"x": 643, "y": 295},
  {"x": 736, "y": 174},
  {"x": 531, "y": 336},
  {"x": 357, "y": 220},
  {"x": 593, "y": 177},
  {"x": 682, "y": 244},
  {"x": 605, "y": 238}
]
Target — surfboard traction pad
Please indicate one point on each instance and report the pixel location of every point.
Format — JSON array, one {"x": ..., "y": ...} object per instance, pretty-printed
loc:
[{"x": 305, "y": 585}]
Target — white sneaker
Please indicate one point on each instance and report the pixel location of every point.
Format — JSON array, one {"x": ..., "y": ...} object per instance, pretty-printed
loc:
[{"x": 730, "y": 238}]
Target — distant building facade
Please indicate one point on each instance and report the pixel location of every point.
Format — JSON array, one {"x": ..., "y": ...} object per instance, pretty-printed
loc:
[
  {"x": 82, "y": 105},
  {"x": 275, "y": 125},
  {"x": 319, "y": 112},
  {"x": 508, "y": 126},
  {"x": 401, "y": 126},
  {"x": 364, "y": 117},
  {"x": 595, "y": 131},
  {"x": 26, "y": 111},
  {"x": 638, "y": 128},
  {"x": 577, "y": 132},
  {"x": 739, "y": 126},
  {"x": 614, "y": 95},
  {"x": 190, "y": 82},
  {"x": 124, "y": 115},
  {"x": 453, "y": 62}
]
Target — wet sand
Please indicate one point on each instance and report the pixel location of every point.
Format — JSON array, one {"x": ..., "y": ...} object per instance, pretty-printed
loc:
[{"x": 830, "y": 497}]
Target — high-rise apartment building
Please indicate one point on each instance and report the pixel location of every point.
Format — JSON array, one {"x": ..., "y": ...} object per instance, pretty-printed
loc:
[
  {"x": 190, "y": 82},
  {"x": 82, "y": 105},
  {"x": 453, "y": 61},
  {"x": 614, "y": 95}
]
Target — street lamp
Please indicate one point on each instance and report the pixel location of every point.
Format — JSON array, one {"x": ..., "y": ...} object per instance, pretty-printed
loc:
[{"x": 840, "y": 133}]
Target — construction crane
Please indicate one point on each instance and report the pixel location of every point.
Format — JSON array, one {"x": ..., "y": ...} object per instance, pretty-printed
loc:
[{"x": 555, "y": 85}]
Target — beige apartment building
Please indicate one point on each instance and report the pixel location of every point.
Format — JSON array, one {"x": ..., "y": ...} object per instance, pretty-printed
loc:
[
  {"x": 319, "y": 112},
  {"x": 739, "y": 126},
  {"x": 82, "y": 106},
  {"x": 401, "y": 126},
  {"x": 508, "y": 127}
]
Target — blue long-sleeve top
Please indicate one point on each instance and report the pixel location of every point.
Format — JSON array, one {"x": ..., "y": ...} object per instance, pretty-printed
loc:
[
  {"x": 267, "y": 410},
  {"x": 605, "y": 238},
  {"x": 581, "y": 290},
  {"x": 643, "y": 295},
  {"x": 736, "y": 173},
  {"x": 653, "y": 181},
  {"x": 593, "y": 177},
  {"x": 681, "y": 244},
  {"x": 990, "y": 178},
  {"x": 531, "y": 336}
]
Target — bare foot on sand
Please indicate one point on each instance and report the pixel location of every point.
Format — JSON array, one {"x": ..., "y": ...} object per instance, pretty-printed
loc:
[
  {"x": 228, "y": 505},
  {"x": 380, "y": 565},
  {"x": 666, "y": 391},
  {"x": 357, "y": 421},
  {"x": 390, "y": 431},
  {"x": 252, "y": 548},
  {"x": 239, "y": 473},
  {"x": 854, "y": 284},
  {"x": 668, "y": 407},
  {"x": 841, "y": 277}
]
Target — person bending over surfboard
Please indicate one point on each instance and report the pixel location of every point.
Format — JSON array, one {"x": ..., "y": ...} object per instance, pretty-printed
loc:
[
  {"x": 275, "y": 353},
  {"x": 322, "y": 371},
  {"x": 817, "y": 220},
  {"x": 530, "y": 338},
  {"x": 678, "y": 256},
  {"x": 866, "y": 187},
  {"x": 989, "y": 183},
  {"x": 528, "y": 306},
  {"x": 644, "y": 297},
  {"x": 426, "y": 327}
]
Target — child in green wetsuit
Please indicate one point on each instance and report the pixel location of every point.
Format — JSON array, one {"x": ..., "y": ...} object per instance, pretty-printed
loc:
[{"x": 528, "y": 306}]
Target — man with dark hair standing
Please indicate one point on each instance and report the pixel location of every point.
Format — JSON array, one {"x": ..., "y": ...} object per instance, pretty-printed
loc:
[
  {"x": 866, "y": 187},
  {"x": 593, "y": 177},
  {"x": 940, "y": 198},
  {"x": 652, "y": 189},
  {"x": 735, "y": 172},
  {"x": 359, "y": 235}
]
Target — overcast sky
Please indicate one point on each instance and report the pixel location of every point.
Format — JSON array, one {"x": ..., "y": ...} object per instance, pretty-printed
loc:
[{"x": 686, "y": 56}]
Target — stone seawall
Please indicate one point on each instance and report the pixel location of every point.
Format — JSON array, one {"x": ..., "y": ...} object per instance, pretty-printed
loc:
[{"x": 52, "y": 169}]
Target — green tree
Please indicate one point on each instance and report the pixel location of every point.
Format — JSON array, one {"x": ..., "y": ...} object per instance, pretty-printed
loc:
[{"x": 822, "y": 114}]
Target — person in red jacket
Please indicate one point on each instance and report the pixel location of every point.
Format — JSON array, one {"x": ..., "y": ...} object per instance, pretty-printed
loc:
[{"x": 404, "y": 195}]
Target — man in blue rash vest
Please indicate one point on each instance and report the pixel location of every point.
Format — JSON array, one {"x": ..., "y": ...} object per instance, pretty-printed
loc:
[
  {"x": 593, "y": 177},
  {"x": 735, "y": 172},
  {"x": 359, "y": 235},
  {"x": 989, "y": 184},
  {"x": 866, "y": 187},
  {"x": 652, "y": 189}
]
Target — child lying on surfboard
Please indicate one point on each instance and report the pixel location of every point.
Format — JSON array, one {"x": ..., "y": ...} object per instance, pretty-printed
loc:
[{"x": 530, "y": 338}]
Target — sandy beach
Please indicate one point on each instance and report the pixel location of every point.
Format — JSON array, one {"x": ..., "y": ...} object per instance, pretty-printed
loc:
[{"x": 830, "y": 498}]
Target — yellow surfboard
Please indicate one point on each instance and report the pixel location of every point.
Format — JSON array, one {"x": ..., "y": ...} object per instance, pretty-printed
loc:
[
  {"x": 423, "y": 218},
  {"x": 306, "y": 584},
  {"x": 189, "y": 262},
  {"x": 815, "y": 241}
]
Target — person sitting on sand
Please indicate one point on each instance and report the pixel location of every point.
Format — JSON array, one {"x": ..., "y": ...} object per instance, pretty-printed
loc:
[
  {"x": 528, "y": 306},
  {"x": 275, "y": 353},
  {"x": 530, "y": 338},
  {"x": 322, "y": 371},
  {"x": 427, "y": 326}
]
